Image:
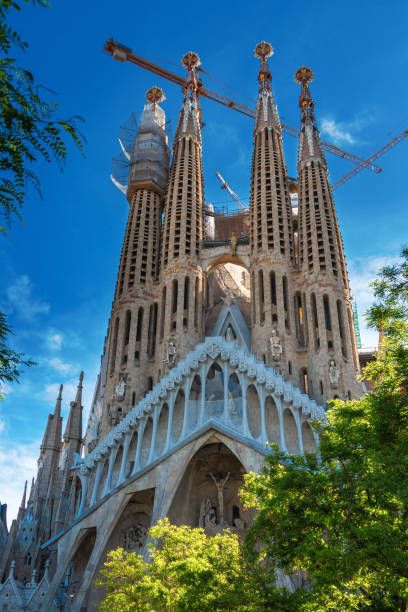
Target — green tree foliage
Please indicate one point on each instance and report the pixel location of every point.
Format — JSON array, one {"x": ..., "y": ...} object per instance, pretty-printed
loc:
[
  {"x": 342, "y": 518},
  {"x": 187, "y": 571},
  {"x": 29, "y": 129},
  {"x": 10, "y": 361}
]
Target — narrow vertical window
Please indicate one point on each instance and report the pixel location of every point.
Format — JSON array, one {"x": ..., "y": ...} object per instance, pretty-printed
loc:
[
  {"x": 196, "y": 302},
  {"x": 314, "y": 311},
  {"x": 261, "y": 287},
  {"x": 174, "y": 296},
  {"x": 126, "y": 333},
  {"x": 163, "y": 313},
  {"x": 114, "y": 345},
  {"x": 272, "y": 278},
  {"x": 139, "y": 324},
  {"x": 326, "y": 307},
  {"x": 186, "y": 292}
]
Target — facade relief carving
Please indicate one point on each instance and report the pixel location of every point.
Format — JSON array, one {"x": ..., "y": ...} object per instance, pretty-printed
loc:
[
  {"x": 133, "y": 538},
  {"x": 334, "y": 373}
]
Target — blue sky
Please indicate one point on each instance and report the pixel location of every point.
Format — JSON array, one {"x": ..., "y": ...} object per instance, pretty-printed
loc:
[{"x": 58, "y": 269}]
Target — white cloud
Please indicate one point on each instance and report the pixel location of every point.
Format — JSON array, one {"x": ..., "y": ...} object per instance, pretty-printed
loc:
[
  {"x": 345, "y": 132},
  {"x": 54, "y": 341},
  {"x": 50, "y": 392},
  {"x": 22, "y": 302},
  {"x": 60, "y": 366},
  {"x": 18, "y": 463},
  {"x": 337, "y": 132},
  {"x": 363, "y": 271}
]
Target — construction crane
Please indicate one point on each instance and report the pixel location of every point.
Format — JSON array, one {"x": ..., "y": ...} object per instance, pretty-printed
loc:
[
  {"x": 224, "y": 185},
  {"x": 123, "y": 54},
  {"x": 373, "y": 157}
]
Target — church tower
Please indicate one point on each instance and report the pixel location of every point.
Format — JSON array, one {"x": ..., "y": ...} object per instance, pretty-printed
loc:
[
  {"x": 181, "y": 306},
  {"x": 132, "y": 328},
  {"x": 271, "y": 234},
  {"x": 323, "y": 303}
]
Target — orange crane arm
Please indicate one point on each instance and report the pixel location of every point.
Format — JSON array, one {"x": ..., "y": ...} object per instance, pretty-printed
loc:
[
  {"x": 373, "y": 157},
  {"x": 122, "y": 53},
  {"x": 224, "y": 185}
]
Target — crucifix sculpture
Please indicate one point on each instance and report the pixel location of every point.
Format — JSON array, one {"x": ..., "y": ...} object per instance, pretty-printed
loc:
[{"x": 220, "y": 484}]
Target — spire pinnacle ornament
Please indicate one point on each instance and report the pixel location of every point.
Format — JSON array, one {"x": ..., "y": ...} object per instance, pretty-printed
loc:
[
  {"x": 191, "y": 60},
  {"x": 304, "y": 75},
  {"x": 155, "y": 95},
  {"x": 263, "y": 50}
]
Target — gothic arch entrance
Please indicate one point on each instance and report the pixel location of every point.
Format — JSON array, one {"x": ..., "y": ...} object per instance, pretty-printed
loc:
[{"x": 207, "y": 495}]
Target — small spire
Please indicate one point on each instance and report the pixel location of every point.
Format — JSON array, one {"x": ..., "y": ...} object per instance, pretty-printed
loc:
[
  {"x": 310, "y": 146},
  {"x": 33, "y": 576},
  {"x": 47, "y": 568},
  {"x": 191, "y": 62},
  {"x": 78, "y": 398},
  {"x": 31, "y": 490},
  {"x": 266, "y": 110},
  {"x": 73, "y": 429},
  {"x": 57, "y": 411},
  {"x": 304, "y": 76},
  {"x": 189, "y": 123},
  {"x": 155, "y": 95},
  {"x": 23, "y": 501},
  {"x": 263, "y": 50}
]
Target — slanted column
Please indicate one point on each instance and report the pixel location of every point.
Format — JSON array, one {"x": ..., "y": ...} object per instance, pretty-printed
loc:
[
  {"x": 186, "y": 409},
  {"x": 112, "y": 458},
  {"x": 154, "y": 435},
  {"x": 98, "y": 474},
  {"x": 245, "y": 426},
  {"x": 282, "y": 441},
  {"x": 261, "y": 396},
  {"x": 203, "y": 375},
  {"x": 84, "y": 476},
  {"x": 170, "y": 421},
  {"x": 140, "y": 433},
  {"x": 298, "y": 421},
  {"x": 225, "y": 416},
  {"x": 126, "y": 444}
]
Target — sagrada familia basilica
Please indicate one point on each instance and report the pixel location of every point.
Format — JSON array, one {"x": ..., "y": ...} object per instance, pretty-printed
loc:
[{"x": 226, "y": 332}]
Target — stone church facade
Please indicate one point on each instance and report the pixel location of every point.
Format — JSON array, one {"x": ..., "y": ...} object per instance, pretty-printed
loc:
[{"x": 225, "y": 333}]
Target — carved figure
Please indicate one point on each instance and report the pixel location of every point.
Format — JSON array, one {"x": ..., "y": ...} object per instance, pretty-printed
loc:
[
  {"x": 133, "y": 538},
  {"x": 275, "y": 344},
  {"x": 231, "y": 403},
  {"x": 120, "y": 388},
  {"x": 334, "y": 373},
  {"x": 229, "y": 297},
  {"x": 229, "y": 334},
  {"x": 233, "y": 244},
  {"x": 220, "y": 484},
  {"x": 171, "y": 352},
  {"x": 207, "y": 513}
]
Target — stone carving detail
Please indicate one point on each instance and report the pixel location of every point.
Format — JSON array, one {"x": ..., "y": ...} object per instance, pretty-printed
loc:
[
  {"x": 212, "y": 348},
  {"x": 208, "y": 515},
  {"x": 134, "y": 538},
  {"x": 334, "y": 373},
  {"x": 229, "y": 334},
  {"x": 220, "y": 484},
  {"x": 120, "y": 388},
  {"x": 229, "y": 299},
  {"x": 171, "y": 353},
  {"x": 275, "y": 345}
]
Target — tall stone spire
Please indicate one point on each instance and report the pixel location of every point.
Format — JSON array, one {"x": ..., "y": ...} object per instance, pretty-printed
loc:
[
  {"x": 131, "y": 343},
  {"x": 329, "y": 314},
  {"x": 182, "y": 278},
  {"x": 73, "y": 429},
  {"x": 271, "y": 235}
]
